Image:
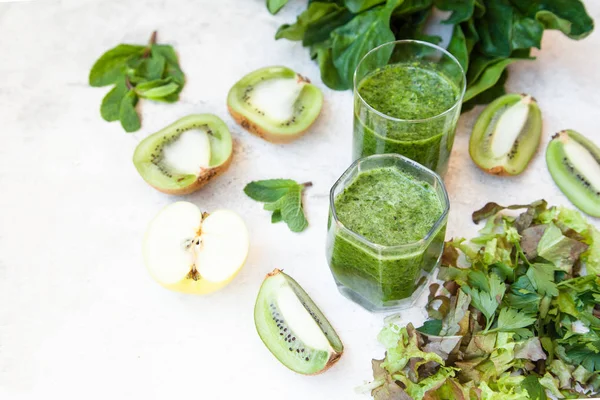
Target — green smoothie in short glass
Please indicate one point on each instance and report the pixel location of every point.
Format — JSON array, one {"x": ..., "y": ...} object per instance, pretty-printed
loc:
[
  {"x": 386, "y": 231},
  {"x": 408, "y": 107}
]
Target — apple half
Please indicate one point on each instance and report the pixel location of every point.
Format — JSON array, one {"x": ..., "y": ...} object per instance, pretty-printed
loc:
[{"x": 189, "y": 251}]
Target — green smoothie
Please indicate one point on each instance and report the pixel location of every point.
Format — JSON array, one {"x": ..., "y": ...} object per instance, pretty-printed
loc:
[
  {"x": 410, "y": 93},
  {"x": 387, "y": 207}
]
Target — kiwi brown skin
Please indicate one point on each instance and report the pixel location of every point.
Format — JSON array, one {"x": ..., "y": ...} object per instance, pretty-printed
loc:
[
  {"x": 147, "y": 153},
  {"x": 335, "y": 355},
  {"x": 255, "y": 121},
  {"x": 261, "y": 133},
  {"x": 202, "y": 180},
  {"x": 498, "y": 171}
]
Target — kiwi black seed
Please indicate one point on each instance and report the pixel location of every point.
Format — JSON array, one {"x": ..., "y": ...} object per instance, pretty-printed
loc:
[
  {"x": 574, "y": 163},
  {"x": 261, "y": 122},
  {"x": 149, "y": 154}
]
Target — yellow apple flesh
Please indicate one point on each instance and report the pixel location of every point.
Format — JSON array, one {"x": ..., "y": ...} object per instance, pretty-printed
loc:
[{"x": 191, "y": 252}]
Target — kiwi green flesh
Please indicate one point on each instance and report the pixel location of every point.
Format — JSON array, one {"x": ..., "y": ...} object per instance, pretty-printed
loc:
[
  {"x": 275, "y": 330},
  {"x": 525, "y": 144},
  {"x": 306, "y": 108},
  {"x": 574, "y": 177},
  {"x": 148, "y": 152}
]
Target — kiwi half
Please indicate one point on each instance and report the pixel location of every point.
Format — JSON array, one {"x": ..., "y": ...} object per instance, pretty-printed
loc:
[
  {"x": 293, "y": 328},
  {"x": 506, "y": 135},
  {"x": 275, "y": 103},
  {"x": 185, "y": 155},
  {"x": 574, "y": 163}
]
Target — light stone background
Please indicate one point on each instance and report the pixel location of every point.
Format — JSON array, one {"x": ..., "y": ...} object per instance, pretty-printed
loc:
[{"x": 79, "y": 316}]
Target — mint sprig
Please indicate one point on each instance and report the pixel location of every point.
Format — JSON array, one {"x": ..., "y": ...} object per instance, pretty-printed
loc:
[
  {"x": 150, "y": 72},
  {"x": 283, "y": 197}
]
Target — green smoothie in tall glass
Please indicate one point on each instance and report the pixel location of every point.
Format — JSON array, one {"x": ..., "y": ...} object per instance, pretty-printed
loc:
[{"x": 408, "y": 107}]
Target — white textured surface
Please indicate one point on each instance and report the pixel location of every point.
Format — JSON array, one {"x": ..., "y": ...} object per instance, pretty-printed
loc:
[{"x": 79, "y": 315}]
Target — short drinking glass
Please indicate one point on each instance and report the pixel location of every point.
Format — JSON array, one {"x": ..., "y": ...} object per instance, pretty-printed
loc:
[{"x": 387, "y": 222}]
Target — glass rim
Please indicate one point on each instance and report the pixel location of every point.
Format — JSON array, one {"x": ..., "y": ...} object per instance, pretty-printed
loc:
[
  {"x": 411, "y": 245},
  {"x": 423, "y": 43}
]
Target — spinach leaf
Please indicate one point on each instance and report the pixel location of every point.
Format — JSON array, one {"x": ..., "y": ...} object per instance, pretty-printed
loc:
[
  {"x": 462, "y": 10},
  {"x": 355, "y": 39},
  {"x": 411, "y": 26},
  {"x": 321, "y": 29},
  {"x": 495, "y": 28},
  {"x": 314, "y": 13},
  {"x": 488, "y": 78},
  {"x": 408, "y": 7},
  {"x": 526, "y": 33},
  {"x": 570, "y": 17},
  {"x": 357, "y": 6},
  {"x": 458, "y": 47},
  {"x": 488, "y": 35},
  {"x": 471, "y": 35},
  {"x": 488, "y": 95},
  {"x": 329, "y": 73}
]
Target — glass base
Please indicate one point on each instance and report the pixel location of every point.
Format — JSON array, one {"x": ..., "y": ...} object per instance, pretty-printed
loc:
[{"x": 395, "y": 305}]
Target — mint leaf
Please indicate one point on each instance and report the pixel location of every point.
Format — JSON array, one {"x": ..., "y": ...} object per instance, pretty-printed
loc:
[
  {"x": 291, "y": 210},
  {"x": 283, "y": 197},
  {"x": 158, "y": 91},
  {"x": 153, "y": 67},
  {"x": 276, "y": 217},
  {"x": 150, "y": 72},
  {"x": 111, "y": 64},
  {"x": 268, "y": 191},
  {"x": 172, "y": 69},
  {"x": 275, "y": 5},
  {"x": 111, "y": 104},
  {"x": 128, "y": 115}
]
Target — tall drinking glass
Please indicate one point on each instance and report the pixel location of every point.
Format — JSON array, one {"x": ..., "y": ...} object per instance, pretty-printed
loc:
[{"x": 407, "y": 99}]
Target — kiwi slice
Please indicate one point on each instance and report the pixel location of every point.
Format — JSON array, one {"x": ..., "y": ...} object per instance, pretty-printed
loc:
[
  {"x": 185, "y": 155},
  {"x": 293, "y": 328},
  {"x": 275, "y": 103},
  {"x": 574, "y": 163},
  {"x": 506, "y": 135}
]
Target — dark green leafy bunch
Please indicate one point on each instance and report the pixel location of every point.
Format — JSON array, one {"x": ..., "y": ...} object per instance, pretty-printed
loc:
[
  {"x": 283, "y": 197},
  {"x": 488, "y": 35},
  {"x": 149, "y": 72},
  {"x": 516, "y": 315}
]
